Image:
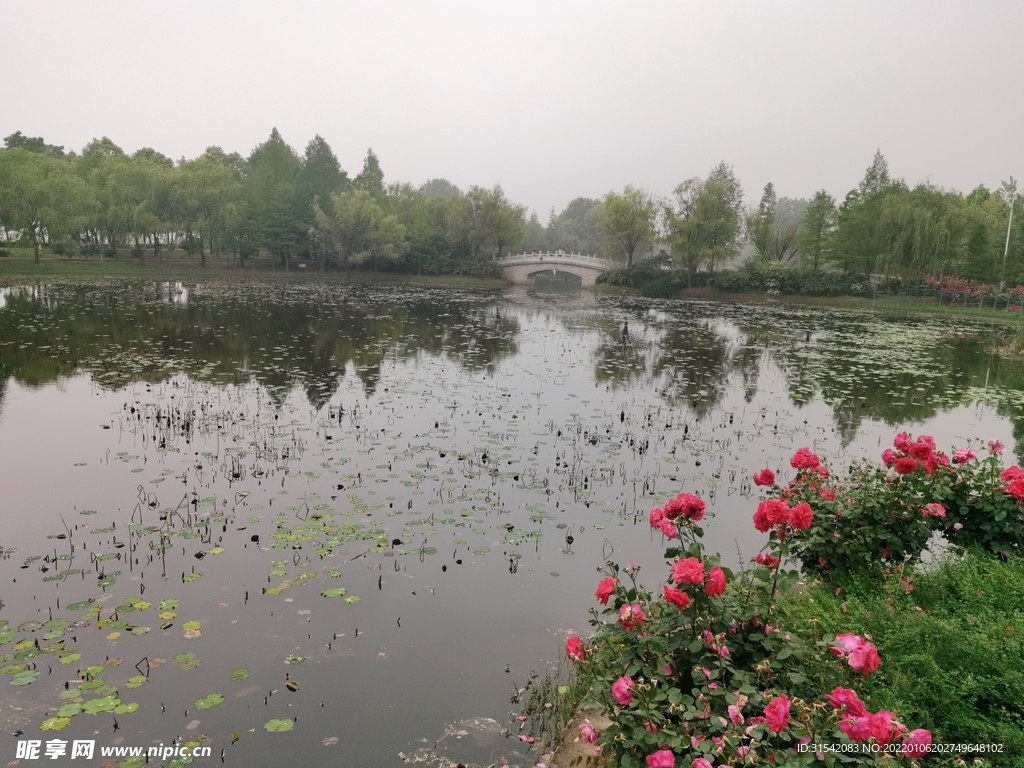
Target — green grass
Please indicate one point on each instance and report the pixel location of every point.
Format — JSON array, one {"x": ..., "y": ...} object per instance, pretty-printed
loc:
[
  {"x": 20, "y": 264},
  {"x": 952, "y": 649}
]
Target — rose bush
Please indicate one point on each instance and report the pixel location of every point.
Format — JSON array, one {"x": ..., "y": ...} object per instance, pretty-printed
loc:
[
  {"x": 699, "y": 673},
  {"x": 879, "y": 516}
]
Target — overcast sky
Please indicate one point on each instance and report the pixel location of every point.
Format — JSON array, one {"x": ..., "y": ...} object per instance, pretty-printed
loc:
[{"x": 550, "y": 99}]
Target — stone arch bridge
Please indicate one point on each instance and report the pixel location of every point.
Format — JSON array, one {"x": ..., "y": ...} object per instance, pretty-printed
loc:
[{"x": 523, "y": 268}]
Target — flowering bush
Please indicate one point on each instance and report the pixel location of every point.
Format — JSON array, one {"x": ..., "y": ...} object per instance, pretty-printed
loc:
[
  {"x": 880, "y": 516},
  {"x": 702, "y": 673}
]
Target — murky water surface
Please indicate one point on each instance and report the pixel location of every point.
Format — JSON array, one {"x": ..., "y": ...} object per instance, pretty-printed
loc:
[{"x": 393, "y": 499}]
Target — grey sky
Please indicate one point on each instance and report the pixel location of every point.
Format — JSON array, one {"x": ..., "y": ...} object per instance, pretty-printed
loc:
[{"x": 551, "y": 99}]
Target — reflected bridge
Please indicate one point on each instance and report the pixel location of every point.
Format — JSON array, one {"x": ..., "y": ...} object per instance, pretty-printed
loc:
[{"x": 522, "y": 268}]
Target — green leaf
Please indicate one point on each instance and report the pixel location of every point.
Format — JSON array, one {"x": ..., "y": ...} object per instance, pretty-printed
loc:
[
  {"x": 239, "y": 674},
  {"x": 211, "y": 700},
  {"x": 278, "y": 726},
  {"x": 25, "y": 678},
  {"x": 54, "y": 723}
]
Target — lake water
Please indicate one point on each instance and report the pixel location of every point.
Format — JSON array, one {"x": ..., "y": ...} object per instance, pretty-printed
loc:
[{"x": 395, "y": 497}]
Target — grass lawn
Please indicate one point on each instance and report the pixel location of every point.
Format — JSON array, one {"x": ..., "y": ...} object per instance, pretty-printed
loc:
[{"x": 20, "y": 264}]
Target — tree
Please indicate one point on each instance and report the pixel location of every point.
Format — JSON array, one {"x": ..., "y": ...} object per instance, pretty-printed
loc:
[
  {"x": 704, "y": 224},
  {"x": 860, "y": 241},
  {"x": 272, "y": 216},
  {"x": 505, "y": 221},
  {"x": 41, "y": 197},
  {"x": 371, "y": 178},
  {"x": 536, "y": 236},
  {"x": 761, "y": 224},
  {"x": 355, "y": 229},
  {"x": 819, "y": 225},
  {"x": 926, "y": 230},
  {"x": 208, "y": 196},
  {"x": 320, "y": 177},
  {"x": 32, "y": 144},
  {"x": 483, "y": 219},
  {"x": 627, "y": 220},
  {"x": 439, "y": 188},
  {"x": 578, "y": 227}
]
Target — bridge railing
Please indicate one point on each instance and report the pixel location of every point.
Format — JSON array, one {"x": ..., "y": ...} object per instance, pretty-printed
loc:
[{"x": 560, "y": 256}]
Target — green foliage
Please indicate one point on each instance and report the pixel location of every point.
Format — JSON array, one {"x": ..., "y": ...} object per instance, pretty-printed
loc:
[
  {"x": 782, "y": 278},
  {"x": 952, "y": 647},
  {"x": 705, "y": 222},
  {"x": 628, "y": 221}
]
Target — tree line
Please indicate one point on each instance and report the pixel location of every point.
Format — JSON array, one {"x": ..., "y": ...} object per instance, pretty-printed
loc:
[{"x": 285, "y": 205}]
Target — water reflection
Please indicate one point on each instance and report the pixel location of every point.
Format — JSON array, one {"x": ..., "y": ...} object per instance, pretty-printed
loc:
[{"x": 690, "y": 355}]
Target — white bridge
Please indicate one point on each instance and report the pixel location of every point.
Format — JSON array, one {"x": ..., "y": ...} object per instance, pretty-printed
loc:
[{"x": 523, "y": 268}]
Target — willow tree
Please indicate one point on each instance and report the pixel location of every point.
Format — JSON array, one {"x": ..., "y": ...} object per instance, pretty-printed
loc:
[{"x": 628, "y": 221}]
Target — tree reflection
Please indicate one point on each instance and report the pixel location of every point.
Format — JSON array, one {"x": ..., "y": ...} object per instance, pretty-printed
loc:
[{"x": 280, "y": 336}]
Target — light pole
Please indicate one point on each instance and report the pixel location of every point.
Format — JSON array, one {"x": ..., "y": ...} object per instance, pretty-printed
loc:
[{"x": 1011, "y": 189}]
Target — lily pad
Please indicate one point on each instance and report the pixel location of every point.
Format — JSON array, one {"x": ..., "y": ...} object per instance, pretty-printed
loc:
[
  {"x": 135, "y": 681},
  {"x": 335, "y": 592},
  {"x": 209, "y": 701},
  {"x": 70, "y": 658},
  {"x": 102, "y": 704},
  {"x": 26, "y": 677},
  {"x": 54, "y": 723},
  {"x": 126, "y": 709},
  {"x": 278, "y": 726},
  {"x": 294, "y": 659},
  {"x": 239, "y": 674},
  {"x": 69, "y": 710}
]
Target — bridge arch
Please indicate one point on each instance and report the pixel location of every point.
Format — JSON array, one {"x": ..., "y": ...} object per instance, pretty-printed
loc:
[{"x": 520, "y": 268}]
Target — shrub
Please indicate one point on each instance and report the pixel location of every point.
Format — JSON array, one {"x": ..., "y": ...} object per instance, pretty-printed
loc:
[
  {"x": 704, "y": 671},
  {"x": 3, "y": 253},
  {"x": 879, "y": 516},
  {"x": 951, "y": 641}
]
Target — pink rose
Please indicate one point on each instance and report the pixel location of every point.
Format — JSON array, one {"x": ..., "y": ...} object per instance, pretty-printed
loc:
[
  {"x": 632, "y": 616},
  {"x": 846, "y": 699},
  {"x": 902, "y": 442},
  {"x": 865, "y": 658},
  {"x": 605, "y": 589},
  {"x": 715, "y": 582},
  {"x": 1011, "y": 473},
  {"x": 701, "y": 762},
  {"x": 668, "y": 528},
  {"x": 736, "y": 713},
  {"x": 685, "y": 505},
  {"x": 587, "y": 732},
  {"x": 889, "y": 457},
  {"x": 767, "y": 560},
  {"x": 846, "y": 643},
  {"x": 800, "y": 516},
  {"x": 574, "y": 648},
  {"x": 961, "y": 456},
  {"x": 622, "y": 690},
  {"x": 663, "y": 758},
  {"x": 764, "y": 478},
  {"x": 677, "y": 597},
  {"x": 689, "y": 570},
  {"x": 905, "y": 466},
  {"x": 656, "y": 516},
  {"x": 994, "y": 447},
  {"x": 933, "y": 510},
  {"x": 804, "y": 459},
  {"x": 916, "y": 743},
  {"x": 777, "y": 713}
]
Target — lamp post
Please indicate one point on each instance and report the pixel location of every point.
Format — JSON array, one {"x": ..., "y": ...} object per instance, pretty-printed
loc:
[{"x": 1009, "y": 188}]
